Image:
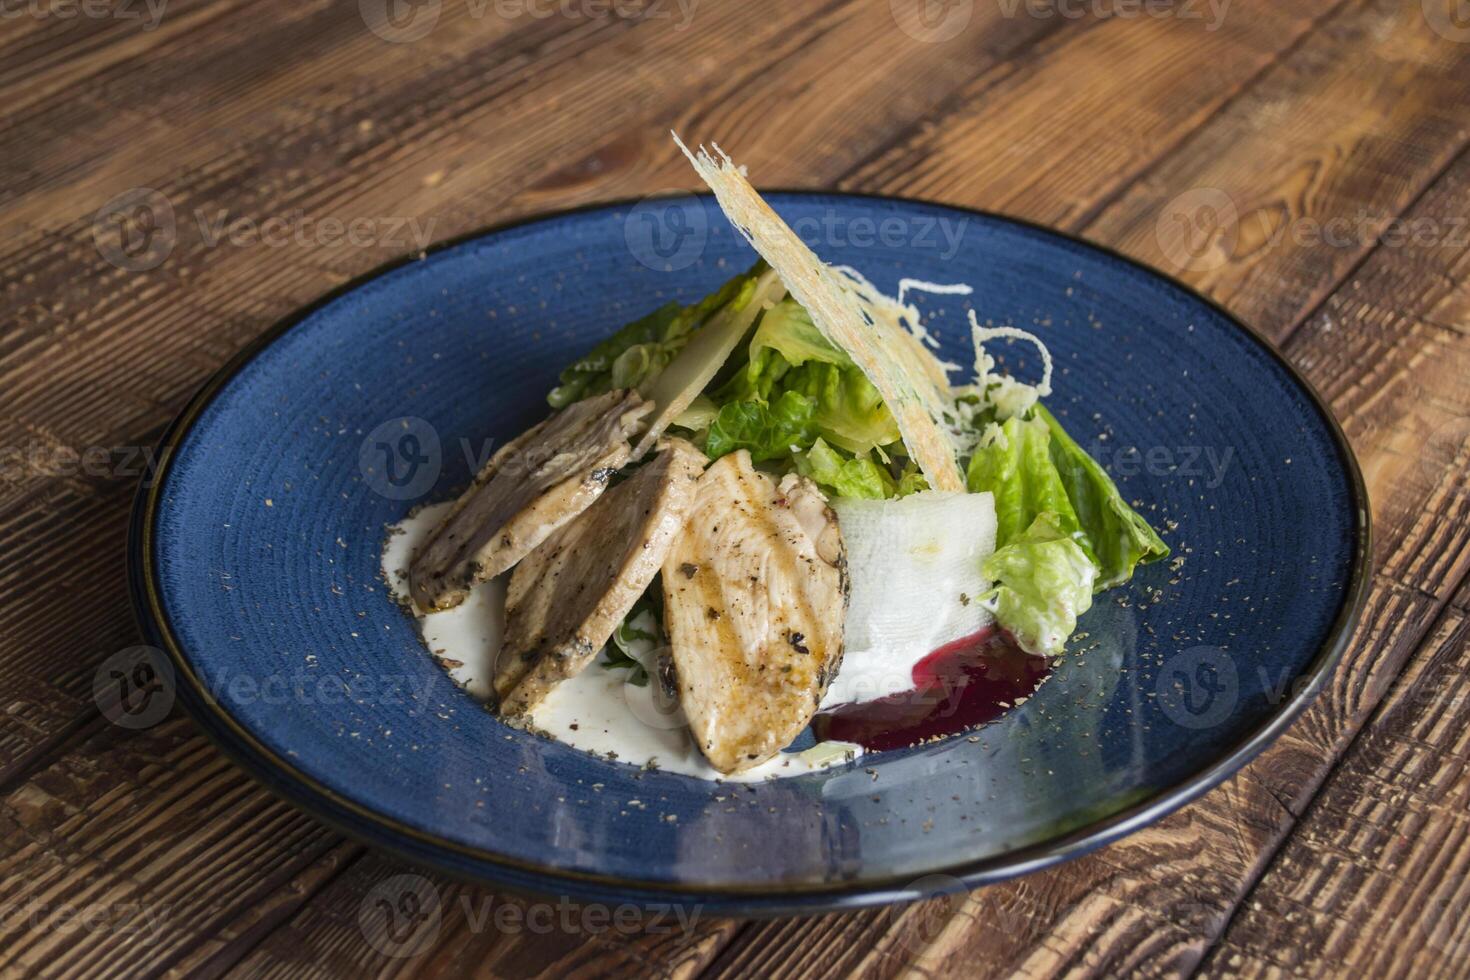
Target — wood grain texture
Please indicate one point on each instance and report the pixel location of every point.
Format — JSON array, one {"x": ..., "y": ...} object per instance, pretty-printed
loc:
[{"x": 1297, "y": 113}]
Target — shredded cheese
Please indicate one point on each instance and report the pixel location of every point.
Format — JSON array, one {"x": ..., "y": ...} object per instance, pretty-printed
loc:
[{"x": 852, "y": 315}]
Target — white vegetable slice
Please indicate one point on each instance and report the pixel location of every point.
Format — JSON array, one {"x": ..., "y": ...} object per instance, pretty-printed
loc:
[
  {"x": 857, "y": 321},
  {"x": 914, "y": 568},
  {"x": 675, "y": 388}
]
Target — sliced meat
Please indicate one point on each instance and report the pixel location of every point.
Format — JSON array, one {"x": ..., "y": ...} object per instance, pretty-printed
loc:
[
  {"x": 566, "y": 597},
  {"x": 755, "y": 594},
  {"x": 531, "y": 487}
]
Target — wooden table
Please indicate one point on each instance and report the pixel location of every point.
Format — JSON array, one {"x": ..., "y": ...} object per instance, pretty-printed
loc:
[{"x": 1302, "y": 162}]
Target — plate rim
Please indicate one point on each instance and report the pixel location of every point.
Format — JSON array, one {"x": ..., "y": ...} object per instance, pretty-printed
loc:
[{"x": 483, "y": 866}]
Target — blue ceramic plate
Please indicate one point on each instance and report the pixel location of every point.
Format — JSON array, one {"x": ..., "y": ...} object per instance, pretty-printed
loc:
[{"x": 255, "y": 565}]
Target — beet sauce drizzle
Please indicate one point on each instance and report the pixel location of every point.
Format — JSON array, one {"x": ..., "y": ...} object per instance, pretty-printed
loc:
[{"x": 965, "y": 683}]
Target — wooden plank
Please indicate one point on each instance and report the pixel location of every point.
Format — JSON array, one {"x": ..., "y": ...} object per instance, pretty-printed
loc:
[
  {"x": 1054, "y": 134},
  {"x": 1272, "y": 204},
  {"x": 1372, "y": 881},
  {"x": 386, "y": 918},
  {"x": 152, "y": 837}
]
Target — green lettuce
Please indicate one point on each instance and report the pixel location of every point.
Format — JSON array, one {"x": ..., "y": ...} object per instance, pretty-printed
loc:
[
  {"x": 639, "y": 351},
  {"x": 845, "y": 476},
  {"x": 768, "y": 430},
  {"x": 841, "y": 474},
  {"x": 1043, "y": 582},
  {"x": 1118, "y": 537},
  {"x": 1017, "y": 468},
  {"x": 788, "y": 354},
  {"x": 1061, "y": 525}
]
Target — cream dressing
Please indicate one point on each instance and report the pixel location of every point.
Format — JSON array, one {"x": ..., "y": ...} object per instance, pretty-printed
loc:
[{"x": 600, "y": 710}]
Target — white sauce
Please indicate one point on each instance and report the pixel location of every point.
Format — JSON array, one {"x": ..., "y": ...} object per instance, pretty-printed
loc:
[{"x": 598, "y": 710}]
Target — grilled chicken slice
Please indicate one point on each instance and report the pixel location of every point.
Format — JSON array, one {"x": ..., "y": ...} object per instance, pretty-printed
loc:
[
  {"x": 566, "y": 597},
  {"x": 755, "y": 594},
  {"x": 531, "y": 487}
]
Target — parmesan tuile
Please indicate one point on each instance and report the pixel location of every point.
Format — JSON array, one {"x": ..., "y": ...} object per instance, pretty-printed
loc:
[{"x": 860, "y": 321}]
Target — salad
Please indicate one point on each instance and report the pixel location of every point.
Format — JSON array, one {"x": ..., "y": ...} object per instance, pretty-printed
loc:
[{"x": 771, "y": 507}]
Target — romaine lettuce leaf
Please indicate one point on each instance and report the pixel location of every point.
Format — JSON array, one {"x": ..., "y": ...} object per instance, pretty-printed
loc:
[
  {"x": 1118, "y": 537},
  {"x": 788, "y": 353},
  {"x": 639, "y": 351},
  {"x": 768, "y": 431},
  {"x": 1061, "y": 523},
  {"x": 1043, "y": 582},
  {"x": 845, "y": 476},
  {"x": 1017, "y": 468}
]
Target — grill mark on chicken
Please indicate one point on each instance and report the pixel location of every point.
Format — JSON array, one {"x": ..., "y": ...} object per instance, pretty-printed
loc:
[
  {"x": 755, "y": 594},
  {"x": 566, "y": 597},
  {"x": 530, "y": 487}
]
